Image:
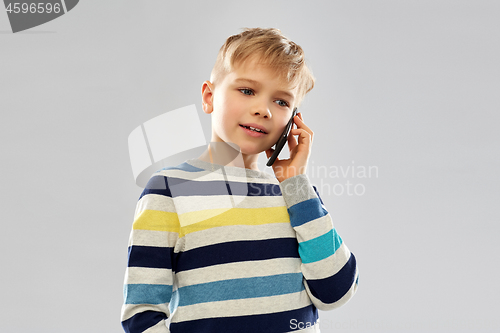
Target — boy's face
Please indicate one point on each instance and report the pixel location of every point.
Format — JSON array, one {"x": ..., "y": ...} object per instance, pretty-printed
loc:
[{"x": 251, "y": 93}]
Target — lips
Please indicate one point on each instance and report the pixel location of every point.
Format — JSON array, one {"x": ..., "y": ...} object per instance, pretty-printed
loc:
[
  {"x": 252, "y": 133},
  {"x": 262, "y": 128}
]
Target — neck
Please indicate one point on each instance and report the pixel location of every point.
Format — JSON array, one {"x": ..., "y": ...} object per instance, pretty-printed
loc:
[{"x": 228, "y": 154}]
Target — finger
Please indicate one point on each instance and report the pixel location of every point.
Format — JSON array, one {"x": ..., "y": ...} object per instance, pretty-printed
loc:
[
  {"x": 292, "y": 142},
  {"x": 300, "y": 124},
  {"x": 299, "y": 120},
  {"x": 304, "y": 136}
]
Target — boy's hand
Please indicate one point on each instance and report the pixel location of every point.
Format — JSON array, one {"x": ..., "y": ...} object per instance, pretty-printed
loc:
[{"x": 299, "y": 152}]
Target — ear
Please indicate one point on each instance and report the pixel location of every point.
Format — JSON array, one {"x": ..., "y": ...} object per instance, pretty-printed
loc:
[{"x": 207, "y": 94}]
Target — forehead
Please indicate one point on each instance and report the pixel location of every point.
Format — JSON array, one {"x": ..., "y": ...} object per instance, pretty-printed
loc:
[{"x": 261, "y": 73}]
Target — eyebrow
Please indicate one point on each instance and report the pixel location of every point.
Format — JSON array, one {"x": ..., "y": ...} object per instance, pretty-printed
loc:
[{"x": 258, "y": 85}]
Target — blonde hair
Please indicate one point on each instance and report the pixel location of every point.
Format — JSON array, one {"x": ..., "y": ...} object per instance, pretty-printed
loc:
[{"x": 270, "y": 47}]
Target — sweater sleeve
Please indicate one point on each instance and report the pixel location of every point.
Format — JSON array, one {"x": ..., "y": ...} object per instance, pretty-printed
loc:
[
  {"x": 149, "y": 279},
  {"x": 329, "y": 268}
]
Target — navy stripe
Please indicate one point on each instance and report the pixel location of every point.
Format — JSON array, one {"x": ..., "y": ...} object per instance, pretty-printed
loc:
[
  {"x": 142, "y": 321},
  {"x": 150, "y": 256},
  {"x": 317, "y": 193},
  {"x": 334, "y": 287},
  {"x": 278, "y": 322},
  {"x": 237, "y": 251},
  {"x": 156, "y": 185},
  {"x": 268, "y": 190},
  {"x": 175, "y": 187}
]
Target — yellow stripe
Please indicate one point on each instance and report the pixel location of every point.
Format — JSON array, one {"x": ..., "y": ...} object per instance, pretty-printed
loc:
[
  {"x": 233, "y": 216},
  {"x": 157, "y": 221}
]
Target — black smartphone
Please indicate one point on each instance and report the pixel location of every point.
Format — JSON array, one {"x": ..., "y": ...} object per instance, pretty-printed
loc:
[{"x": 282, "y": 140}]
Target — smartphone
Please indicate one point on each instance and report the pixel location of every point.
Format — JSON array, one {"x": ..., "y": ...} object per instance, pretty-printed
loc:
[{"x": 282, "y": 140}]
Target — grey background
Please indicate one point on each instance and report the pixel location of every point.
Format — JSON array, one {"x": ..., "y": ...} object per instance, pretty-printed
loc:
[{"x": 408, "y": 86}]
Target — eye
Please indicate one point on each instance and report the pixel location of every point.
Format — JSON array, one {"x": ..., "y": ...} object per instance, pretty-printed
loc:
[
  {"x": 246, "y": 91},
  {"x": 282, "y": 103}
]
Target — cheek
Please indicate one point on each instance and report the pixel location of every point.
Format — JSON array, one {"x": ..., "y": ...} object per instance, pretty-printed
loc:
[
  {"x": 224, "y": 121},
  {"x": 220, "y": 122},
  {"x": 228, "y": 113},
  {"x": 279, "y": 130},
  {"x": 229, "y": 106}
]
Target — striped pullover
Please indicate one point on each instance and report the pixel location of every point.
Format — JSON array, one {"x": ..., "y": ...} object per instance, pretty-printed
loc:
[{"x": 232, "y": 250}]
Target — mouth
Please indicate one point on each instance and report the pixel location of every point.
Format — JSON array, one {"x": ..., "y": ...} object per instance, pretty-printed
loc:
[
  {"x": 253, "y": 133},
  {"x": 253, "y": 129}
]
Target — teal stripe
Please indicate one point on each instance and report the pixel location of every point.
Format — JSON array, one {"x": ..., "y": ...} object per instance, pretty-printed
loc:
[
  {"x": 147, "y": 293},
  {"x": 262, "y": 286},
  {"x": 319, "y": 248}
]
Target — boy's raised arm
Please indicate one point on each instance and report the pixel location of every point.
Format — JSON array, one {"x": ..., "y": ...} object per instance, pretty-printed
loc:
[
  {"x": 329, "y": 268},
  {"x": 149, "y": 278}
]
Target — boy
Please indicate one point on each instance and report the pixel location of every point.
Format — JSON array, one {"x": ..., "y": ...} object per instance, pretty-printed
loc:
[{"x": 220, "y": 246}]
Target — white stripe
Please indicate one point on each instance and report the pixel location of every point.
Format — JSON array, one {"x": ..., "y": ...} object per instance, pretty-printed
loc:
[
  {"x": 314, "y": 228},
  {"x": 146, "y": 275},
  {"x": 242, "y": 307},
  {"x": 154, "y": 202},
  {"x": 237, "y": 270},
  {"x": 238, "y": 233},
  {"x": 129, "y": 310},
  {"x": 211, "y": 236},
  {"x": 187, "y": 204},
  {"x": 152, "y": 238}
]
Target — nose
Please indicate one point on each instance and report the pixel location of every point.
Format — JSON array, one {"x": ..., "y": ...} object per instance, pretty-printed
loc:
[{"x": 262, "y": 109}]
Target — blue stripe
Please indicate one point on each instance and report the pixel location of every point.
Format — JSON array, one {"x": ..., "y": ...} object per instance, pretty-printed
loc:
[
  {"x": 319, "y": 248},
  {"x": 150, "y": 256},
  {"x": 238, "y": 251},
  {"x": 270, "y": 322},
  {"x": 331, "y": 289},
  {"x": 140, "y": 322},
  {"x": 306, "y": 211},
  {"x": 261, "y": 286},
  {"x": 147, "y": 293},
  {"x": 184, "y": 167}
]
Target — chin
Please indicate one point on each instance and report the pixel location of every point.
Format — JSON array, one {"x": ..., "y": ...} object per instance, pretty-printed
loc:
[{"x": 250, "y": 150}]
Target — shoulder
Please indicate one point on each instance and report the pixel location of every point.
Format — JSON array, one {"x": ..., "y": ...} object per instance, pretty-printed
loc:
[{"x": 165, "y": 178}]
